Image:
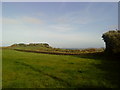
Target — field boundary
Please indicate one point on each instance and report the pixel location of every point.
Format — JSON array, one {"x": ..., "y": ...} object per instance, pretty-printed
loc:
[{"x": 55, "y": 53}]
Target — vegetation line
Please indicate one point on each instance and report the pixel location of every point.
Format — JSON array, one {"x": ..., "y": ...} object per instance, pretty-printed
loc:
[
  {"x": 55, "y": 53},
  {"x": 37, "y": 70}
]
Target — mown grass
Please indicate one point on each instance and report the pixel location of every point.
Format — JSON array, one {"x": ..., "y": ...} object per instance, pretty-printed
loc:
[{"x": 35, "y": 70}]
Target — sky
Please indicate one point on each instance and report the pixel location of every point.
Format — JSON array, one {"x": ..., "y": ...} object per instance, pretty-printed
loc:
[
  {"x": 60, "y": 24},
  {"x": 0, "y": 24}
]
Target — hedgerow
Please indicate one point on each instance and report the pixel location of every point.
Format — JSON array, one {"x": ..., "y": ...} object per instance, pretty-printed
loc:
[{"x": 112, "y": 41}]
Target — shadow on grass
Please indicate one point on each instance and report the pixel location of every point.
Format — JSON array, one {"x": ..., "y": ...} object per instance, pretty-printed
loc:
[
  {"x": 100, "y": 56},
  {"x": 110, "y": 64}
]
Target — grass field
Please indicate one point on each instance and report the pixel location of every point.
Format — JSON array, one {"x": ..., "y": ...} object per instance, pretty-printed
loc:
[
  {"x": 0, "y": 68},
  {"x": 35, "y": 70}
]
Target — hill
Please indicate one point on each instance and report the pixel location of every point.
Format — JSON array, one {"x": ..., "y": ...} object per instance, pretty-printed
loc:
[{"x": 46, "y": 48}]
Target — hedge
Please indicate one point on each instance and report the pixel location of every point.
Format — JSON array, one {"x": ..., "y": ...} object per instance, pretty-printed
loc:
[{"x": 112, "y": 41}]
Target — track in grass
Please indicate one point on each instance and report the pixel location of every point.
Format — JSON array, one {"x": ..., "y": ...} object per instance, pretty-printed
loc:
[{"x": 37, "y": 70}]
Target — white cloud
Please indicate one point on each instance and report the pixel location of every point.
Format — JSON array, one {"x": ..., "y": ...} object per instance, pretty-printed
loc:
[
  {"x": 60, "y": 27},
  {"x": 112, "y": 27},
  {"x": 83, "y": 16},
  {"x": 32, "y": 20},
  {"x": 76, "y": 18},
  {"x": 22, "y": 20},
  {"x": 10, "y": 21},
  {"x": 62, "y": 20},
  {"x": 83, "y": 20},
  {"x": 40, "y": 14},
  {"x": 23, "y": 33}
]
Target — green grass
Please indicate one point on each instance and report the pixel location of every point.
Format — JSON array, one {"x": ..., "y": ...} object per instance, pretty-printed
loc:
[
  {"x": 0, "y": 68},
  {"x": 35, "y": 70},
  {"x": 56, "y": 50}
]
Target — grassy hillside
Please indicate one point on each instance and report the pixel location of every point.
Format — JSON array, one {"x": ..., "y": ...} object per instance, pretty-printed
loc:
[
  {"x": 46, "y": 48},
  {"x": 35, "y": 70}
]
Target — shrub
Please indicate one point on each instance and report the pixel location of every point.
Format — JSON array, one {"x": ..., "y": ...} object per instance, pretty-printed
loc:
[
  {"x": 112, "y": 41},
  {"x": 21, "y": 44},
  {"x": 45, "y": 45}
]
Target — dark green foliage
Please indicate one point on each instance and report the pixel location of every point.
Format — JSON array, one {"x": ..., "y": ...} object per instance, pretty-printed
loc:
[
  {"x": 46, "y": 45},
  {"x": 39, "y": 44},
  {"x": 112, "y": 41},
  {"x": 32, "y": 44},
  {"x": 20, "y": 44}
]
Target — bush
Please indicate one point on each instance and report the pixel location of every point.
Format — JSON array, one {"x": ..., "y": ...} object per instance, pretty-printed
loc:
[
  {"x": 21, "y": 44},
  {"x": 32, "y": 44},
  {"x": 45, "y": 45},
  {"x": 112, "y": 41}
]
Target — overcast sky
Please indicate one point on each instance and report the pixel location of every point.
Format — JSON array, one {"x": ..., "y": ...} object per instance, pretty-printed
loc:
[{"x": 62, "y": 25}]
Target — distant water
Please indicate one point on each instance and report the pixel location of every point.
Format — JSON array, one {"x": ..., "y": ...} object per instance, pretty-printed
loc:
[
  {"x": 73, "y": 48},
  {"x": 77, "y": 48}
]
